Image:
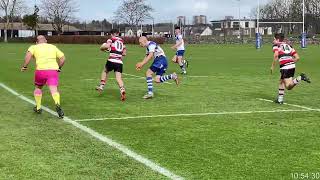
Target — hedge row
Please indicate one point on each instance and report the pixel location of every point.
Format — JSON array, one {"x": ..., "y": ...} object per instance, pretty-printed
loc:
[{"x": 84, "y": 40}]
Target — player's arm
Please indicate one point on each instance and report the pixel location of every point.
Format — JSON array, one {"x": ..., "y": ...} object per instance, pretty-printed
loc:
[
  {"x": 296, "y": 57},
  {"x": 27, "y": 60},
  {"x": 179, "y": 43},
  {"x": 124, "y": 52},
  {"x": 61, "y": 59},
  {"x": 106, "y": 46},
  {"x": 144, "y": 61},
  {"x": 275, "y": 60}
]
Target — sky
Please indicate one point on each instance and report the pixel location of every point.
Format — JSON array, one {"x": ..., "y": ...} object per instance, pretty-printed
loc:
[{"x": 168, "y": 10}]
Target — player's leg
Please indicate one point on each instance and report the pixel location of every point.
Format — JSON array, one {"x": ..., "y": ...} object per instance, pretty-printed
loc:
[
  {"x": 161, "y": 78},
  {"x": 181, "y": 61},
  {"x": 103, "y": 80},
  {"x": 149, "y": 80},
  {"x": 181, "y": 64},
  {"x": 53, "y": 83},
  {"x": 281, "y": 92},
  {"x": 39, "y": 81},
  {"x": 174, "y": 59},
  {"x": 56, "y": 98},
  {"x": 291, "y": 82},
  {"x": 118, "y": 73},
  {"x": 161, "y": 70},
  {"x": 38, "y": 98}
]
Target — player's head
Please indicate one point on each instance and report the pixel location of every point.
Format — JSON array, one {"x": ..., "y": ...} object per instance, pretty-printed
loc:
[
  {"x": 41, "y": 39},
  {"x": 114, "y": 32},
  {"x": 177, "y": 30},
  {"x": 143, "y": 41},
  {"x": 279, "y": 37}
]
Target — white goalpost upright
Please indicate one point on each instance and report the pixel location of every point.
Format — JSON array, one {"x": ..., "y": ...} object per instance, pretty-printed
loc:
[{"x": 303, "y": 35}]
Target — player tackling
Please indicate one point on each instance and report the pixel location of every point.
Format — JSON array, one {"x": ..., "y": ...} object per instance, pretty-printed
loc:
[
  {"x": 180, "y": 48},
  {"x": 115, "y": 45},
  {"x": 287, "y": 57},
  {"x": 47, "y": 71},
  {"x": 158, "y": 67}
]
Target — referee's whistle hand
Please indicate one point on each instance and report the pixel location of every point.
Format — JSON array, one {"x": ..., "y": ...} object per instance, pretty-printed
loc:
[{"x": 23, "y": 69}]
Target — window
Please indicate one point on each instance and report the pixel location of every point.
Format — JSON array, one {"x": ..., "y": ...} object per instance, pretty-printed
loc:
[
  {"x": 236, "y": 25},
  {"x": 247, "y": 24}
]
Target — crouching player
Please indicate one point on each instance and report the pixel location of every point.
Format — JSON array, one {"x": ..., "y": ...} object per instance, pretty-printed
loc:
[
  {"x": 158, "y": 67},
  {"x": 47, "y": 71},
  {"x": 287, "y": 57},
  {"x": 115, "y": 45}
]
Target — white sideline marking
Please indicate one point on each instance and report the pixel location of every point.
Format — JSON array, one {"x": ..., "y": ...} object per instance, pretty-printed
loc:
[
  {"x": 185, "y": 115},
  {"x": 132, "y": 75},
  {"x": 293, "y": 105},
  {"x": 102, "y": 138}
]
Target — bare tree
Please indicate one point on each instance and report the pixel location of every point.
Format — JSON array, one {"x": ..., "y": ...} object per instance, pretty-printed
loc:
[
  {"x": 291, "y": 10},
  {"x": 133, "y": 12},
  {"x": 59, "y": 12},
  {"x": 10, "y": 8}
]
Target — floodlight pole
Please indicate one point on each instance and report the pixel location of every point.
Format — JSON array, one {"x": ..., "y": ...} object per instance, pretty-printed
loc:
[
  {"x": 304, "y": 34},
  {"x": 303, "y": 14},
  {"x": 152, "y": 27},
  {"x": 258, "y": 17},
  {"x": 239, "y": 18}
]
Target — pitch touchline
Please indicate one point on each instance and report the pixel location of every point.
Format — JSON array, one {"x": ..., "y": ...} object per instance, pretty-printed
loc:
[
  {"x": 102, "y": 138},
  {"x": 195, "y": 114},
  {"x": 293, "y": 105}
]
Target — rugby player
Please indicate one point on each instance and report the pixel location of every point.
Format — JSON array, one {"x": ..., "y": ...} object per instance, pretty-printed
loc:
[
  {"x": 158, "y": 67},
  {"x": 180, "y": 48},
  {"x": 47, "y": 71},
  {"x": 287, "y": 57},
  {"x": 115, "y": 45}
]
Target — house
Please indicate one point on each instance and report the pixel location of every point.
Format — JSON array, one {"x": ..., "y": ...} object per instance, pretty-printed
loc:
[
  {"x": 236, "y": 27},
  {"x": 198, "y": 30},
  {"x": 148, "y": 30},
  {"x": 207, "y": 32}
]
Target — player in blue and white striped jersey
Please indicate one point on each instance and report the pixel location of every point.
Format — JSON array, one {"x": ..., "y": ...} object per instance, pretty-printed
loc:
[
  {"x": 158, "y": 67},
  {"x": 180, "y": 48}
]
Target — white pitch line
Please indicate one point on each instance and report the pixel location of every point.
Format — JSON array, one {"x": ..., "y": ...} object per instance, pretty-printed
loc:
[
  {"x": 186, "y": 115},
  {"x": 293, "y": 105},
  {"x": 102, "y": 138},
  {"x": 132, "y": 75}
]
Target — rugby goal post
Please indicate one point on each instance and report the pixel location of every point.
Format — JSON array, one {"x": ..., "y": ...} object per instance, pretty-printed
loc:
[{"x": 303, "y": 34}]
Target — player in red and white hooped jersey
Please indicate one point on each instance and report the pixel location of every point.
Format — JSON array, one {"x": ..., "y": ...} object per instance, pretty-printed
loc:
[
  {"x": 117, "y": 50},
  {"x": 287, "y": 57}
]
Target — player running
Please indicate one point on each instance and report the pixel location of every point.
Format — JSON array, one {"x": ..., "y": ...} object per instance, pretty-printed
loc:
[
  {"x": 47, "y": 71},
  {"x": 179, "y": 47},
  {"x": 158, "y": 67},
  {"x": 115, "y": 45},
  {"x": 287, "y": 56}
]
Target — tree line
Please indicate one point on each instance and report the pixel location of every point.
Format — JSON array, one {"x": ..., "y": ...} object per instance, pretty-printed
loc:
[{"x": 61, "y": 12}]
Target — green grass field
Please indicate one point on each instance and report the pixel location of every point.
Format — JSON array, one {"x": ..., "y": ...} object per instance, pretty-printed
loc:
[{"x": 223, "y": 81}]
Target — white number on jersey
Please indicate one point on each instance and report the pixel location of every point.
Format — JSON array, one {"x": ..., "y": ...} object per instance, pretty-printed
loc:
[
  {"x": 119, "y": 46},
  {"x": 286, "y": 48}
]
